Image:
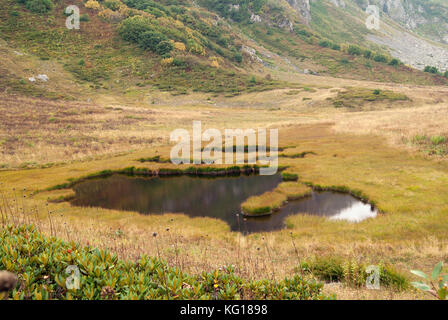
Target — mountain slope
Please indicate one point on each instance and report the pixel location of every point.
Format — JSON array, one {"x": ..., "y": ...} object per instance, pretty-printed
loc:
[{"x": 222, "y": 47}]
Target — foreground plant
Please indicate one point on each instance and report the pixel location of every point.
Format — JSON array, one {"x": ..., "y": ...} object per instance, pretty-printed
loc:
[
  {"x": 436, "y": 286},
  {"x": 46, "y": 267}
]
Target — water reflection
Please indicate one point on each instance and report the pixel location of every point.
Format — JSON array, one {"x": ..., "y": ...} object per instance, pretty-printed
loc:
[{"x": 218, "y": 198}]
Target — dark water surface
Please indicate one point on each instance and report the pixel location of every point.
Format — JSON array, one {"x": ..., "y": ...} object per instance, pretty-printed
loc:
[{"x": 212, "y": 197}]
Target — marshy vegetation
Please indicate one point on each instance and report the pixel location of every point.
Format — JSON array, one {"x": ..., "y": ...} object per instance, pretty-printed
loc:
[
  {"x": 431, "y": 145},
  {"x": 357, "y": 97}
]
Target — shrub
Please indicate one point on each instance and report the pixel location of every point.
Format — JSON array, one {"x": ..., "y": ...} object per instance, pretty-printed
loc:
[
  {"x": 379, "y": 58},
  {"x": 92, "y": 4},
  {"x": 131, "y": 29},
  {"x": 336, "y": 47},
  {"x": 394, "y": 62},
  {"x": 151, "y": 40},
  {"x": 39, "y": 6},
  {"x": 179, "y": 62},
  {"x": 430, "y": 69},
  {"x": 43, "y": 263},
  {"x": 238, "y": 57},
  {"x": 164, "y": 47},
  {"x": 367, "y": 54},
  {"x": 325, "y": 43},
  {"x": 354, "y": 50},
  {"x": 353, "y": 273},
  {"x": 179, "y": 46},
  {"x": 84, "y": 18},
  {"x": 113, "y": 5},
  {"x": 326, "y": 269},
  {"x": 253, "y": 80}
]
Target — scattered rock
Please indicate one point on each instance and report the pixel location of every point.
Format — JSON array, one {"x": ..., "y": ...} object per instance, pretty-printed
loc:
[
  {"x": 8, "y": 281},
  {"x": 255, "y": 18},
  {"x": 42, "y": 77},
  {"x": 285, "y": 23},
  {"x": 252, "y": 53}
]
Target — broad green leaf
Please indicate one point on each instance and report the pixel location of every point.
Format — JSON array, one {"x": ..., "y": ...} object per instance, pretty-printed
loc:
[
  {"x": 421, "y": 286},
  {"x": 437, "y": 270},
  {"x": 419, "y": 273}
]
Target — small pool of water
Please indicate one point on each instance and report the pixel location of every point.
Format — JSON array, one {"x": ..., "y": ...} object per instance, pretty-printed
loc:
[{"x": 212, "y": 197}]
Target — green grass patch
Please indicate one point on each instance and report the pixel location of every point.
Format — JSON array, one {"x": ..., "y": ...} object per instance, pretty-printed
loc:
[
  {"x": 354, "y": 97},
  {"x": 287, "y": 176},
  {"x": 353, "y": 273},
  {"x": 432, "y": 145}
]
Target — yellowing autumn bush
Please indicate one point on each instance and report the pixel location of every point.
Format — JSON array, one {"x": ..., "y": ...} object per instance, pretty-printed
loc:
[
  {"x": 167, "y": 61},
  {"x": 92, "y": 4},
  {"x": 179, "y": 46}
]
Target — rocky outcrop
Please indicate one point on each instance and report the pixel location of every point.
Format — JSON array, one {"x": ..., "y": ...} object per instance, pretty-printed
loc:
[
  {"x": 414, "y": 15},
  {"x": 251, "y": 53},
  {"x": 303, "y": 8},
  {"x": 285, "y": 23},
  {"x": 338, "y": 3},
  {"x": 254, "y": 18}
]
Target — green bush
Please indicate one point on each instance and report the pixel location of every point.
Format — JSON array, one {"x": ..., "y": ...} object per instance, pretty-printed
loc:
[
  {"x": 238, "y": 57},
  {"x": 39, "y": 6},
  {"x": 380, "y": 58},
  {"x": 329, "y": 269},
  {"x": 394, "y": 62},
  {"x": 156, "y": 42},
  {"x": 132, "y": 28},
  {"x": 430, "y": 69},
  {"x": 367, "y": 54},
  {"x": 41, "y": 263},
  {"x": 354, "y": 50},
  {"x": 354, "y": 274},
  {"x": 113, "y": 5},
  {"x": 150, "y": 40},
  {"x": 325, "y": 43},
  {"x": 336, "y": 47},
  {"x": 84, "y": 18},
  {"x": 164, "y": 47}
]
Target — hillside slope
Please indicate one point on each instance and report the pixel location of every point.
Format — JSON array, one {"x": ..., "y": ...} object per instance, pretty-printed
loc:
[{"x": 221, "y": 47}]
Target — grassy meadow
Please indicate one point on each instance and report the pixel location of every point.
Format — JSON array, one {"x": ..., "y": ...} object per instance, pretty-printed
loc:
[{"x": 407, "y": 185}]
